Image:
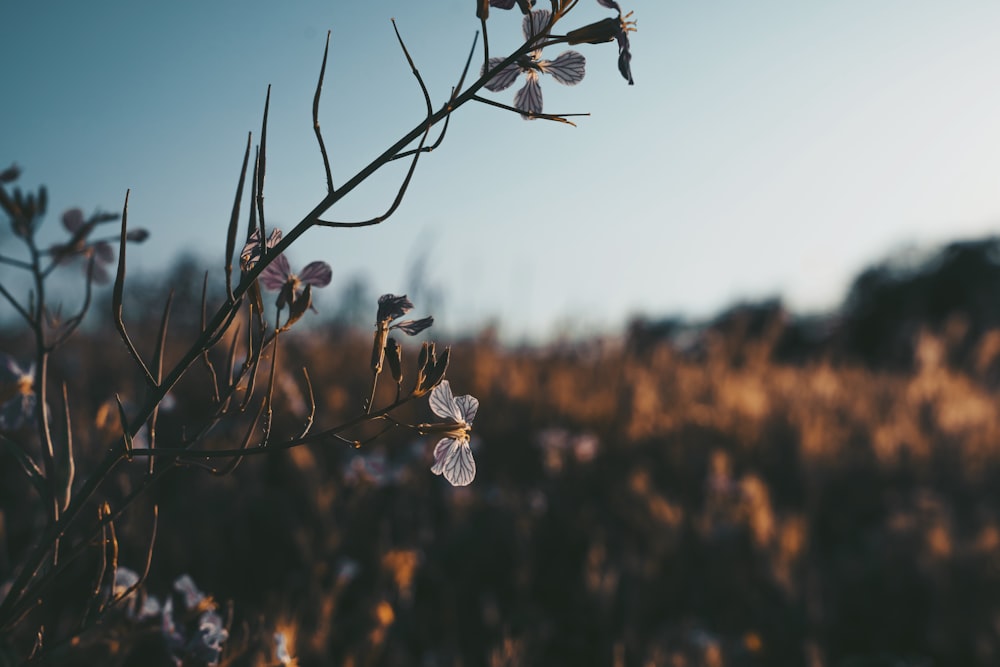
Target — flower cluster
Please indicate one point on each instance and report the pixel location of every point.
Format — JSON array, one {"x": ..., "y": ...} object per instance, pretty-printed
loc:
[
  {"x": 193, "y": 631},
  {"x": 568, "y": 68}
]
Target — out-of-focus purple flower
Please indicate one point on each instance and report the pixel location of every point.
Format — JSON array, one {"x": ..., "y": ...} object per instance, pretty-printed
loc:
[
  {"x": 278, "y": 275},
  {"x": 568, "y": 68},
  {"x": 17, "y": 394},
  {"x": 206, "y": 645},
  {"x": 453, "y": 454},
  {"x": 124, "y": 580},
  {"x": 193, "y": 597},
  {"x": 251, "y": 252},
  {"x": 79, "y": 247}
]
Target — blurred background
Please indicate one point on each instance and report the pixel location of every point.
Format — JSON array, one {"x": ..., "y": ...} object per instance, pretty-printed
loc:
[{"x": 735, "y": 337}]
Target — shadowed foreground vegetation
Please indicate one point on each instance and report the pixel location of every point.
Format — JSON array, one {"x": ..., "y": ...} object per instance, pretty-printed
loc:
[{"x": 634, "y": 505}]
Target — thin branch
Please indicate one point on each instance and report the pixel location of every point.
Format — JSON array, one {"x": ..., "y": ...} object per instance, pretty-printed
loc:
[
  {"x": 234, "y": 222},
  {"x": 560, "y": 118},
  {"x": 67, "y": 466},
  {"x": 312, "y": 404},
  {"x": 28, "y": 465},
  {"x": 117, "y": 298},
  {"x": 262, "y": 163},
  {"x": 24, "y": 313},
  {"x": 158, "y": 352},
  {"x": 396, "y": 202},
  {"x": 149, "y": 559},
  {"x": 15, "y": 262},
  {"x": 425, "y": 149},
  {"x": 413, "y": 68},
  {"x": 319, "y": 134},
  {"x": 486, "y": 45},
  {"x": 95, "y": 597},
  {"x": 74, "y": 322},
  {"x": 205, "y": 357},
  {"x": 468, "y": 62}
]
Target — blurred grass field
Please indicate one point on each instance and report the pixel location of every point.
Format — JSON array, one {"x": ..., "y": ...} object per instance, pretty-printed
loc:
[{"x": 650, "y": 504}]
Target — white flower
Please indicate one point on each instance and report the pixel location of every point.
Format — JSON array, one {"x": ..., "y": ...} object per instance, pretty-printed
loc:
[{"x": 453, "y": 455}]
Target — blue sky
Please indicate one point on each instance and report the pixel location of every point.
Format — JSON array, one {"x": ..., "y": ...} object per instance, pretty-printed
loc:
[{"x": 767, "y": 148}]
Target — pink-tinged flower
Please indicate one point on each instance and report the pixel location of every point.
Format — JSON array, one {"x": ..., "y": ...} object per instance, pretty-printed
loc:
[
  {"x": 453, "y": 454},
  {"x": 568, "y": 68},
  {"x": 251, "y": 252},
  {"x": 17, "y": 394},
  {"x": 278, "y": 276}
]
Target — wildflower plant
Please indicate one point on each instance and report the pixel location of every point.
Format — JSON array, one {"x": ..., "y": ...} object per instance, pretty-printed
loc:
[{"x": 80, "y": 511}]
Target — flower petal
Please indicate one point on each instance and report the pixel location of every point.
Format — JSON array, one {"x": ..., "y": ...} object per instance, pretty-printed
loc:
[
  {"x": 413, "y": 327},
  {"x": 275, "y": 274},
  {"x": 443, "y": 404},
  {"x": 468, "y": 406},
  {"x": 503, "y": 79},
  {"x": 72, "y": 219},
  {"x": 105, "y": 253},
  {"x": 610, "y": 4},
  {"x": 536, "y": 23},
  {"x": 502, "y": 4},
  {"x": 625, "y": 57},
  {"x": 568, "y": 69},
  {"x": 391, "y": 306},
  {"x": 317, "y": 274},
  {"x": 529, "y": 98},
  {"x": 453, "y": 459}
]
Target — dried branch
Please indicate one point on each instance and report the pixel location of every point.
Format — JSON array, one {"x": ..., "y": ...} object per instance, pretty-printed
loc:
[
  {"x": 117, "y": 299},
  {"x": 315, "y": 110}
]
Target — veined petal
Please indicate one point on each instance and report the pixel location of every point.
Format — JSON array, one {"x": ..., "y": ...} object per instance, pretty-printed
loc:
[
  {"x": 443, "y": 404},
  {"x": 468, "y": 406},
  {"x": 453, "y": 459},
  {"x": 503, "y": 79},
  {"x": 317, "y": 274},
  {"x": 568, "y": 69},
  {"x": 275, "y": 274},
  {"x": 529, "y": 98},
  {"x": 535, "y": 23}
]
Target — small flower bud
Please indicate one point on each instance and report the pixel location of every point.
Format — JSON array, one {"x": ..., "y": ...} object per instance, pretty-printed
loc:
[
  {"x": 10, "y": 174},
  {"x": 394, "y": 355},
  {"x": 605, "y": 30}
]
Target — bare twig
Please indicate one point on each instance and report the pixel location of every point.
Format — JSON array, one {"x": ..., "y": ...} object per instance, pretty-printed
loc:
[
  {"x": 315, "y": 110},
  {"x": 234, "y": 219},
  {"x": 117, "y": 299}
]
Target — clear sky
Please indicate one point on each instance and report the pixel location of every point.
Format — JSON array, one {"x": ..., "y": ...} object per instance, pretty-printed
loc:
[{"x": 772, "y": 147}]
